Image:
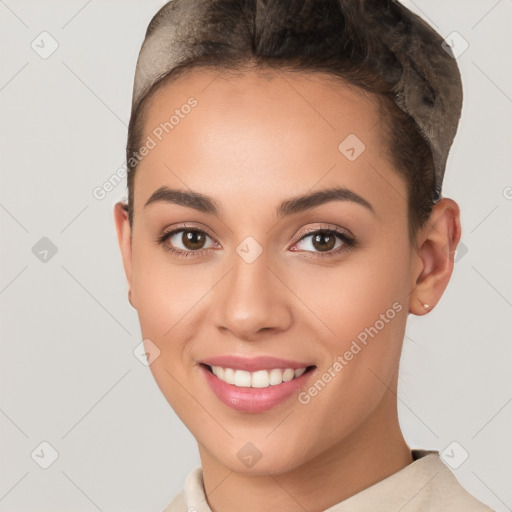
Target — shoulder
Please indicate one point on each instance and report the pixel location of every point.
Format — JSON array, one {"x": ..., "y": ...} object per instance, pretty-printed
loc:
[
  {"x": 191, "y": 497},
  {"x": 450, "y": 495},
  {"x": 178, "y": 504},
  {"x": 443, "y": 492},
  {"x": 425, "y": 485}
]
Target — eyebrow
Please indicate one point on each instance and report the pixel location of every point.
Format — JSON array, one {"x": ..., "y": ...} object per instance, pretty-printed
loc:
[{"x": 206, "y": 204}]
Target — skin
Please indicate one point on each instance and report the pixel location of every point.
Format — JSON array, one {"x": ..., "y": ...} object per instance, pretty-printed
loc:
[{"x": 253, "y": 141}]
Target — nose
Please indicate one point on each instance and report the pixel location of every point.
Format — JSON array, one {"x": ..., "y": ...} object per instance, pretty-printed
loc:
[{"x": 252, "y": 302}]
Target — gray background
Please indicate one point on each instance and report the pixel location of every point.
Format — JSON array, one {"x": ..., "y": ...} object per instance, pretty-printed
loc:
[{"x": 68, "y": 373}]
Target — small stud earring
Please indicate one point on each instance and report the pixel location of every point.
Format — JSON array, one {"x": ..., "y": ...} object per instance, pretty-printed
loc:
[{"x": 426, "y": 306}]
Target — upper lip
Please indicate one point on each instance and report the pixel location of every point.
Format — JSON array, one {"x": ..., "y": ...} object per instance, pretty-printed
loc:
[{"x": 253, "y": 364}]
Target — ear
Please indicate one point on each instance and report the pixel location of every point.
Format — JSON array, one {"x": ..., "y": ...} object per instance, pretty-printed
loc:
[
  {"x": 124, "y": 238},
  {"x": 434, "y": 259}
]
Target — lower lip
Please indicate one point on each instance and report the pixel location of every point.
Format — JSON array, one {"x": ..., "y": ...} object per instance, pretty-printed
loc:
[{"x": 253, "y": 400}]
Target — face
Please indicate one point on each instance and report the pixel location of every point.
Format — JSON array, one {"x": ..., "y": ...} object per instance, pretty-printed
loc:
[{"x": 251, "y": 272}]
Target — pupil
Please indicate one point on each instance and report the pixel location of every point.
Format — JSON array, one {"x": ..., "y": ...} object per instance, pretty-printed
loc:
[
  {"x": 193, "y": 239},
  {"x": 329, "y": 240}
]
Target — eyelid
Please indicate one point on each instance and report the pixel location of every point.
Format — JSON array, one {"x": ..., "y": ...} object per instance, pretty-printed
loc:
[
  {"x": 299, "y": 236},
  {"x": 186, "y": 226},
  {"x": 163, "y": 239},
  {"x": 349, "y": 241},
  {"x": 324, "y": 227}
]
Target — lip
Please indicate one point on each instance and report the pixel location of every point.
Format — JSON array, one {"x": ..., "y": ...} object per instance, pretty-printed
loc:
[
  {"x": 254, "y": 400},
  {"x": 253, "y": 364}
]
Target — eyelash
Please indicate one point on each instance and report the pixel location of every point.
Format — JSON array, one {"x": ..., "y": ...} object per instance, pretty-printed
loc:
[{"x": 348, "y": 241}]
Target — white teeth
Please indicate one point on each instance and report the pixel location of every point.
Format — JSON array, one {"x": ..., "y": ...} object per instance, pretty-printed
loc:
[
  {"x": 229, "y": 375},
  {"x": 242, "y": 379},
  {"x": 288, "y": 374},
  {"x": 275, "y": 377},
  {"x": 258, "y": 379}
]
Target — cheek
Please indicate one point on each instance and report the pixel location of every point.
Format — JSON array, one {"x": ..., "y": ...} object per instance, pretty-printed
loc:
[
  {"x": 163, "y": 291},
  {"x": 362, "y": 306},
  {"x": 351, "y": 296},
  {"x": 165, "y": 296}
]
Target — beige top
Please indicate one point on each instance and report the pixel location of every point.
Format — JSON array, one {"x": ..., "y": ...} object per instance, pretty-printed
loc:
[{"x": 425, "y": 485}]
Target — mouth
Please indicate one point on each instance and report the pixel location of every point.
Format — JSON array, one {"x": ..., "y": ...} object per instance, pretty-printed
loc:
[
  {"x": 258, "y": 391},
  {"x": 258, "y": 379}
]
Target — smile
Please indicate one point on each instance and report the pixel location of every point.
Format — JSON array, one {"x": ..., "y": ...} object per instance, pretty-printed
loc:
[
  {"x": 255, "y": 391},
  {"x": 258, "y": 379}
]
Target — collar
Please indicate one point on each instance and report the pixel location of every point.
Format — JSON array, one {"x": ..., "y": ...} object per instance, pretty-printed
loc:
[{"x": 426, "y": 484}]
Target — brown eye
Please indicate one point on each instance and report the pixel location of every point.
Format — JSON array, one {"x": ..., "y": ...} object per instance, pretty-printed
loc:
[
  {"x": 193, "y": 240},
  {"x": 186, "y": 240},
  {"x": 324, "y": 241}
]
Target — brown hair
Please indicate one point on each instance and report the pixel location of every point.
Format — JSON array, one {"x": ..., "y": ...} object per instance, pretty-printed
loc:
[{"x": 325, "y": 36}]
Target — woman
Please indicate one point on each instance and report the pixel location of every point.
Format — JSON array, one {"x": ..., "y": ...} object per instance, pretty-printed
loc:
[{"x": 284, "y": 217}]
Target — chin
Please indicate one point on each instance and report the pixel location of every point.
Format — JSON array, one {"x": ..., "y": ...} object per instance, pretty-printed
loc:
[{"x": 257, "y": 458}]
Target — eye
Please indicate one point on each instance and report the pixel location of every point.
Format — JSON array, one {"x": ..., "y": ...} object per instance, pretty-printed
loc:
[
  {"x": 185, "y": 240},
  {"x": 327, "y": 241},
  {"x": 191, "y": 241}
]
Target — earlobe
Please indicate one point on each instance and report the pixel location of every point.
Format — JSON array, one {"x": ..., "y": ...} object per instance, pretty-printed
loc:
[
  {"x": 434, "y": 255},
  {"x": 124, "y": 236}
]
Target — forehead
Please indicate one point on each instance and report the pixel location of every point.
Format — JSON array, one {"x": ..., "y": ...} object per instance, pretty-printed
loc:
[
  {"x": 272, "y": 97},
  {"x": 270, "y": 133}
]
